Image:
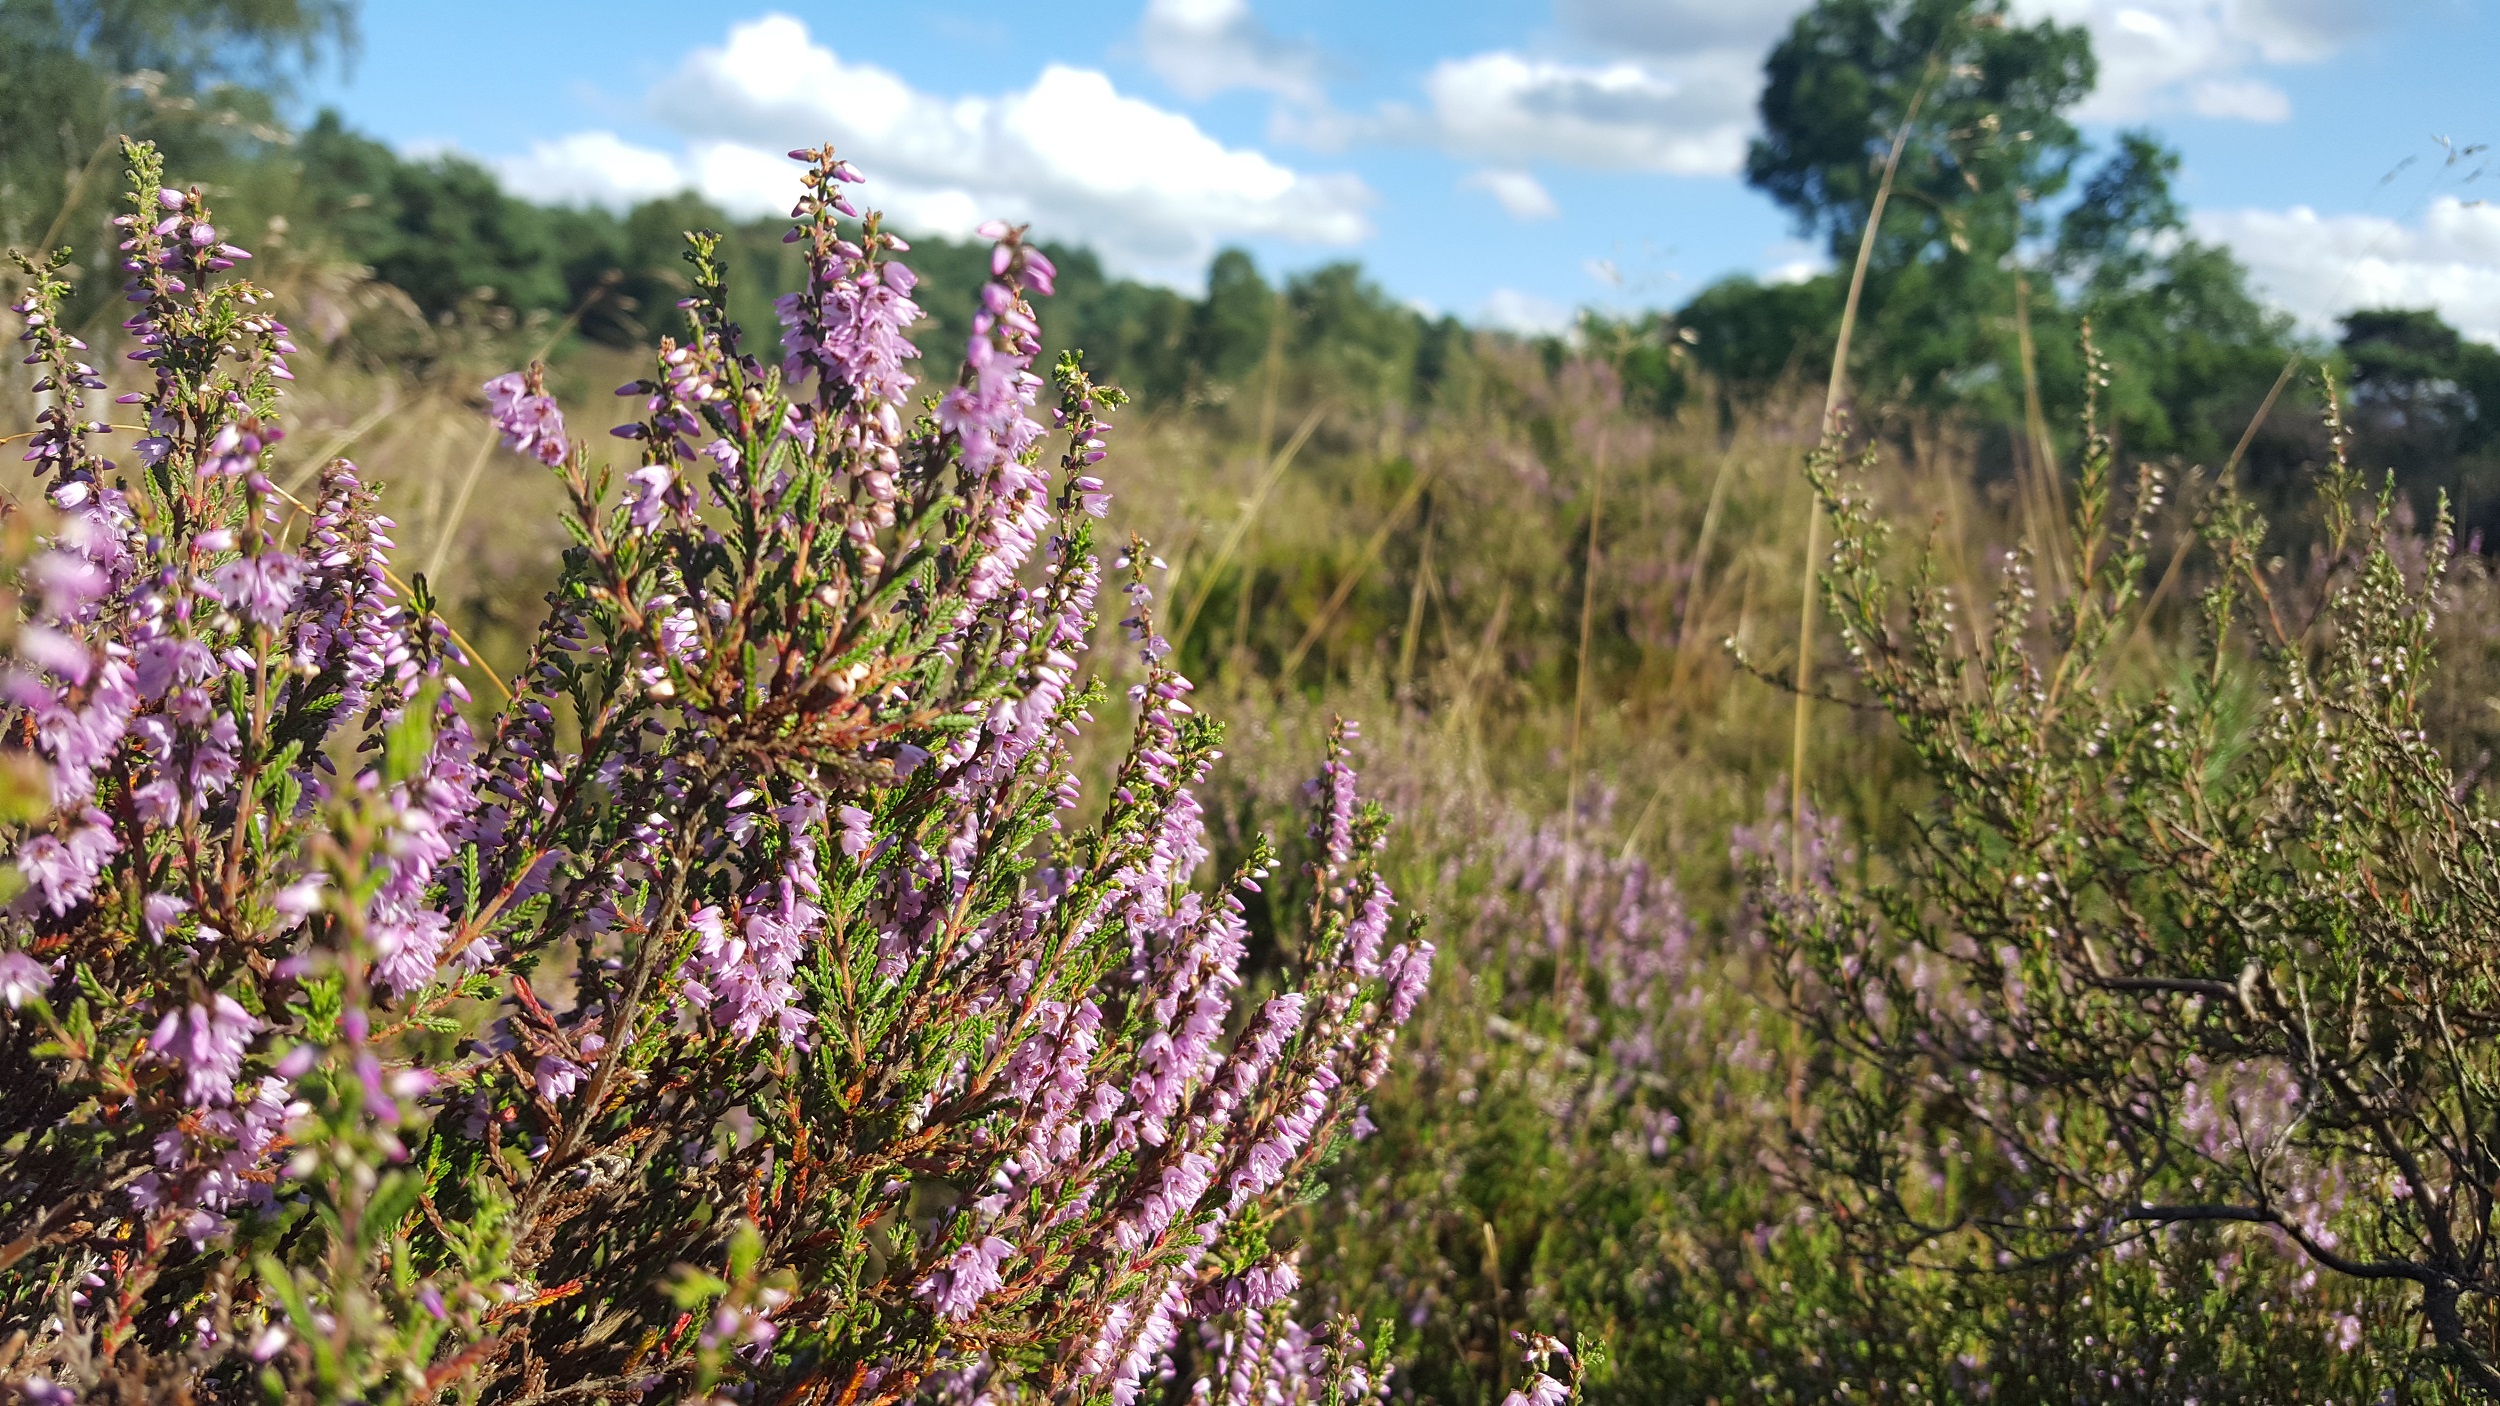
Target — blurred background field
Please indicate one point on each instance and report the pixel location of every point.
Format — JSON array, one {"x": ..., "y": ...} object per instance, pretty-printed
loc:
[{"x": 1556, "y": 577}]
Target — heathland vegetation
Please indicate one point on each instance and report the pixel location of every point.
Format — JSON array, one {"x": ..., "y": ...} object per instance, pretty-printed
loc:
[{"x": 761, "y": 906}]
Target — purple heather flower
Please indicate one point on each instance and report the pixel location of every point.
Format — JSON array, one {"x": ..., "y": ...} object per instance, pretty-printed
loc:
[
  {"x": 856, "y": 836},
  {"x": 302, "y": 898},
  {"x": 169, "y": 662},
  {"x": 1335, "y": 827},
  {"x": 526, "y": 417},
  {"x": 63, "y": 868},
  {"x": 22, "y": 979},
  {"x": 407, "y": 948},
  {"x": 646, "y": 494},
  {"x": 208, "y": 1041},
  {"x": 235, "y": 451},
  {"x": 969, "y": 1275},
  {"x": 1542, "y": 1391},
  {"x": 79, "y": 736},
  {"x": 260, "y": 587},
  {"x": 1409, "y": 970},
  {"x": 55, "y": 653},
  {"x": 556, "y": 1077},
  {"x": 160, "y": 911},
  {"x": 1370, "y": 925}
]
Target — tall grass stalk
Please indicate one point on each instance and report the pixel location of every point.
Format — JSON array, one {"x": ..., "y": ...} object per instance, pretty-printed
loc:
[
  {"x": 1249, "y": 518},
  {"x": 2044, "y": 501},
  {"x": 1832, "y": 391},
  {"x": 2187, "y": 535},
  {"x": 1580, "y": 689},
  {"x": 1415, "y": 609},
  {"x": 1354, "y": 575}
]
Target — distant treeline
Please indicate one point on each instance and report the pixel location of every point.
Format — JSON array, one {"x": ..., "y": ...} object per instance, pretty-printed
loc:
[{"x": 2196, "y": 352}]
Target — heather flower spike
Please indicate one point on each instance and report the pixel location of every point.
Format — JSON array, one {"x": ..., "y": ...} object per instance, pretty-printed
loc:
[{"x": 745, "y": 998}]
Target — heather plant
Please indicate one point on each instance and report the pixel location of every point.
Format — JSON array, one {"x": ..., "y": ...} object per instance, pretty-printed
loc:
[
  {"x": 1603, "y": 1130},
  {"x": 2186, "y": 952},
  {"x": 742, "y": 1001}
]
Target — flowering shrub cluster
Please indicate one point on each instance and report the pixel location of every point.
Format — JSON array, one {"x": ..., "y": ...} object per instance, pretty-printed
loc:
[
  {"x": 740, "y": 1001},
  {"x": 2175, "y": 951}
]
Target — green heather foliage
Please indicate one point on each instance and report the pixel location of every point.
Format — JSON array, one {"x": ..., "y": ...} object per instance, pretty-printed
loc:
[{"x": 2209, "y": 947}]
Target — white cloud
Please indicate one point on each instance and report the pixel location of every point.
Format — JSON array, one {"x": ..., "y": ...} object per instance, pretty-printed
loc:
[
  {"x": 1661, "y": 86},
  {"x": 1688, "y": 120},
  {"x": 1794, "y": 261},
  {"x": 1525, "y": 313},
  {"x": 1149, "y": 190},
  {"x": 593, "y": 168},
  {"x": 1670, "y": 86},
  {"x": 1665, "y": 27},
  {"x": 1516, "y": 192},
  {"x": 2166, "y": 56},
  {"x": 2249, "y": 99},
  {"x": 1205, "y": 47},
  {"x": 2317, "y": 267}
]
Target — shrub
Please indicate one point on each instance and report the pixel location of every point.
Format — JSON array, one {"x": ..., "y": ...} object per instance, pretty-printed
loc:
[
  {"x": 741, "y": 1000},
  {"x": 2203, "y": 948}
]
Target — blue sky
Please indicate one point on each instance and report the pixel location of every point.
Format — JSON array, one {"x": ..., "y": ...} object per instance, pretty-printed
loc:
[{"x": 1505, "y": 162}]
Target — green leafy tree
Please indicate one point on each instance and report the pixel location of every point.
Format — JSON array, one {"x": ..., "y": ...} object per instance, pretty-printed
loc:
[
  {"x": 2195, "y": 351},
  {"x": 1980, "y": 104},
  {"x": 197, "y": 76},
  {"x": 2427, "y": 402}
]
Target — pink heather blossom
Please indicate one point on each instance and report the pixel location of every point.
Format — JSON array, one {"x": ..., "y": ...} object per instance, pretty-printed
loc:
[
  {"x": 646, "y": 491},
  {"x": 969, "y": 1275},
  {"x": 856, "y": 836},
  {"x": 260, "y": 588},
  {"x": 208, "y": 1041},
  {"x": 235, "y": 451},
  {"x": 63, "y": 868},
  {"x": 556, "y": 1077},
  {"x": 22, "y": 979},
  {"x": 526, "y": 417},
  {"x": 1542, "y": 1391}
]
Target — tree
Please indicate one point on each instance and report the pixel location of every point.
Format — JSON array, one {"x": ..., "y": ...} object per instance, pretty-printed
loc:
[
  {"x": 2426, "y": 403},
  {"x": 196, "y": 75},
  {"x": 2194, "y": 350},
  {"x": 1980, "y": 102},
  {"x": 1990, "y": 138}
]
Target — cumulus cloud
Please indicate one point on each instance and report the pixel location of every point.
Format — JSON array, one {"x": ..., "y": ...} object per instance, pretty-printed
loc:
[
  {"x": 1516, "y": 192},
  {"x": 1527, "y": 314},
  {"x": 1081, "y": 161},
  {"x": 2317, "y": 267},
  {"x": 2156, "y": 57},
  {"x": 2249, "y": 99},
  {"x": 1673, "y": 93},
  {"x": 1688, "y": 120},
  {"x": 1205, "y": 47},
  {"x": 593, "y": 168},
  {"x": 1663, "y": 86},
  {"x": 2167, "y": 56},
  {"x": 1658, "y": 27}
]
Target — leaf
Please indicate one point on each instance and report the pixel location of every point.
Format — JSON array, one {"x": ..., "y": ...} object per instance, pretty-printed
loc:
[
  {"x": 392, "y": 1201},
  {"x": 281, "y": 1281}
]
